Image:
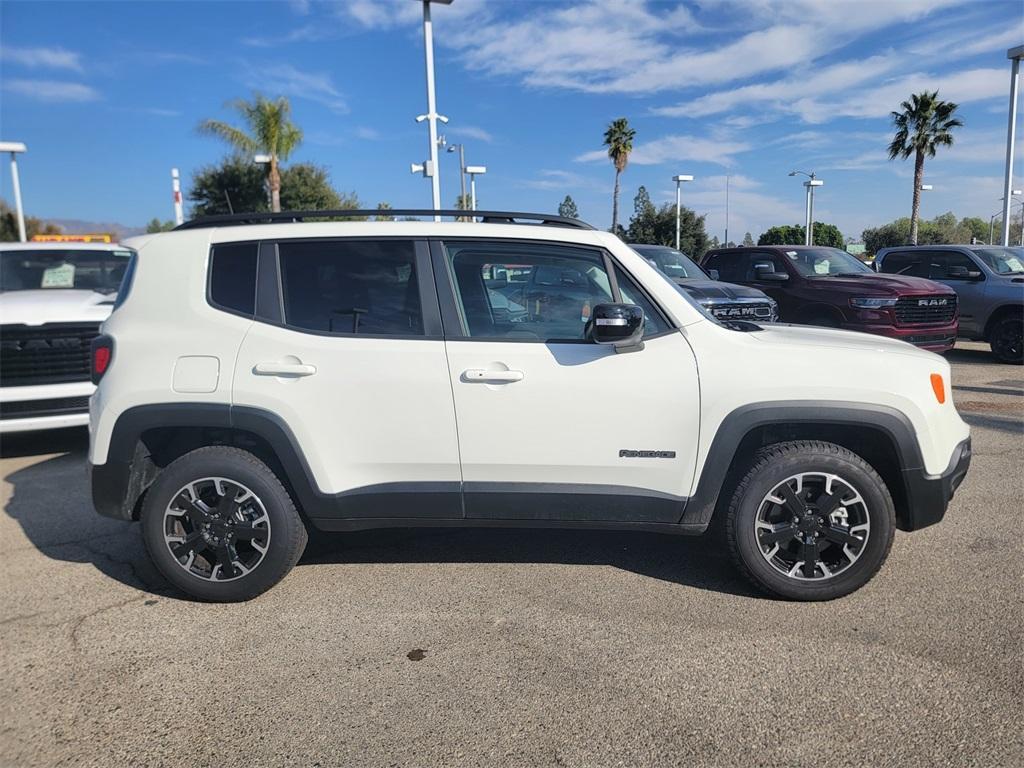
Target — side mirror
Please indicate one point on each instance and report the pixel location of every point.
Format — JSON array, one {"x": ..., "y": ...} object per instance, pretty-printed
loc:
[
  {"x": 619, "y": 325},
  {"x": 713, "y": 274},
  {"x": 957, "y": 271},
  {"x": 773, "y": 277}
]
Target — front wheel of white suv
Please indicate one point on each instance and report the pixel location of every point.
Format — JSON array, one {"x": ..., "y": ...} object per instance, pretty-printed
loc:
[
  {"x": 810, "y": 521},
  {"x": 220, "y": 526}
]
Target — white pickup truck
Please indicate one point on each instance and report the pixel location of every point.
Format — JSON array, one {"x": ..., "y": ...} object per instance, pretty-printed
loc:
[{"x": 53, "y": 298}]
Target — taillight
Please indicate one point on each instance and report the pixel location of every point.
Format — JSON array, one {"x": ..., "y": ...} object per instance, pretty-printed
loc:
[{"x": 102, "y": 353}]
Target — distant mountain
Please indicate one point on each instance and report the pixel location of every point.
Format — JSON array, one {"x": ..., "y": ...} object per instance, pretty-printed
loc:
[{"x": 80, "y": 227}]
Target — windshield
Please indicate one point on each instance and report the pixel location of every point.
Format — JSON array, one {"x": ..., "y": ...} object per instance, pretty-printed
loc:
[
  {"x": 821, "y": 262},
  {"x": 1002, "y": 261},
  {"x": 671, "y": 262},
  {"x": 28, "y": 270}
]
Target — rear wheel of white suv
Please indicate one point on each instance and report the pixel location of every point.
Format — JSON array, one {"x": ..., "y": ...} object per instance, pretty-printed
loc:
[
  {"x": 220, "y": 526},
  {"x": 810, "y": 521}
]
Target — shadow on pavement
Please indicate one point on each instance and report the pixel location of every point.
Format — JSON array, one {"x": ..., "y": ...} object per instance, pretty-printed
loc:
[
  {"x": 966, "y": 356},
  {"x": 51, "y": 503}
]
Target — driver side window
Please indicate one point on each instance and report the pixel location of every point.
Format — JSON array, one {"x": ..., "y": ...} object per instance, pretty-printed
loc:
[{"x": 525, "y": 291}]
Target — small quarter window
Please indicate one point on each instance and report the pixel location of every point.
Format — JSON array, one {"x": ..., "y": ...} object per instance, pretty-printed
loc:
[{"x": 233, "y": 277}]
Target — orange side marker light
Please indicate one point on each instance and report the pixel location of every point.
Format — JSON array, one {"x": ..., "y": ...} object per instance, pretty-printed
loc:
[{"x": 939, "y": 388}]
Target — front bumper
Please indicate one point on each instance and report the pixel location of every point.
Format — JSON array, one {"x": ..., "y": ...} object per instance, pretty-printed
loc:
[
  {"x": 935, "y": 339},
  {"x": 44, "y": 406},
  {"x": 928, "y": 496}
]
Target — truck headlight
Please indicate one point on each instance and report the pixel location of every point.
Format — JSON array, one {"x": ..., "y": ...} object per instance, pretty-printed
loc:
[{"x": 873, "y": 302}]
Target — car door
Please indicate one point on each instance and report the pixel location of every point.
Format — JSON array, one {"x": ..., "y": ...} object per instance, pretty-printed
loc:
[
  {"x": 552, "y": 426},
  {"x": 348, "y": 353},
  {"x": 960, "y": 272}
]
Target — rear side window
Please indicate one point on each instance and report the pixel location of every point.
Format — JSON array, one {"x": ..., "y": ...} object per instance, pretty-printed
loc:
[
  {"x": 913, "y": 263},
  {"x": 732, "y": 267},
  {"x": 233, "y": 277},
  {"x": 347, "y": 287}
]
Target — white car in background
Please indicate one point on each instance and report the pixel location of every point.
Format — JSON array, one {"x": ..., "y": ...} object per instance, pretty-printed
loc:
[{"x": 53, "y": 297}]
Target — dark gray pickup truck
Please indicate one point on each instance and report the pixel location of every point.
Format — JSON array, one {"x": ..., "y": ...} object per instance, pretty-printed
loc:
[
  {"x": 989, "y": 283},
  {"x": 726, "y": 301}
]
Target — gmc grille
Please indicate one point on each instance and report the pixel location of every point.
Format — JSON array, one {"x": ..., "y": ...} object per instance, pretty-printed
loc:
[
  {"x": 926, "y": 310},
  {"x": 54, "y": 353}
]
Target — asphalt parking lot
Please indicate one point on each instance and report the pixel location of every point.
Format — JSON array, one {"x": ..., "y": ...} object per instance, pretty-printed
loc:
[{"x": 515, "y": 647}]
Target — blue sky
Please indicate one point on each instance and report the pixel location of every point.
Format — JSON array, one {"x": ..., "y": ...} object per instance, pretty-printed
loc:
[{"x": 107, "y": 97}]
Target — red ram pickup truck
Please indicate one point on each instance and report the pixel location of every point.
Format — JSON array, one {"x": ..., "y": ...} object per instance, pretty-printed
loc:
[{"x": 826, "y": 286}]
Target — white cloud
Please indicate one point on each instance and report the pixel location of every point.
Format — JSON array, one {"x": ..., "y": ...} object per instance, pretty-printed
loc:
[
  {"x": 287, "y": 80},
  {"x": 367, "y": 134},
  {"x": 305, "y": 34},
  {"x": 675, "y": 148},
  {"x": 52, "y": 91},
  {"x": 471, "y": 132},
  {"x": 750, "y": 209},
  {"x": 42, "y": 58},
  {"x": 566, "y": 181}
]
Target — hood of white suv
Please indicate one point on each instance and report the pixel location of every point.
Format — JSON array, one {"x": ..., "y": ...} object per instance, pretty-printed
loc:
[
  {"x": 54, "y": 305},
  {"x": 812, "y": 336}
]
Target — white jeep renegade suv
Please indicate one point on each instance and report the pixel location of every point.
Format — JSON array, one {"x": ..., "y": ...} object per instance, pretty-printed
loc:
[{"x": 264, "y": 376}]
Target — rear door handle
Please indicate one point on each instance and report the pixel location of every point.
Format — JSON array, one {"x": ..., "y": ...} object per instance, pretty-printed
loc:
[
  {"x": 479, "y": 374},
  {"x": 284, "y": 369}
]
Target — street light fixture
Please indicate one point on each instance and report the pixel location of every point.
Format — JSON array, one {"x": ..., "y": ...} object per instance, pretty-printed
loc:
[
  {"x": 927, "y": 187},
  {"x": 431, "y": 117},
  {"x": 474, "y": 171},
  {"x": 15, "y": 148},
  {"x": 679, "y": 180},
  {"x": 1014, "y": 55},
  {"x": 810, "y": 184}
]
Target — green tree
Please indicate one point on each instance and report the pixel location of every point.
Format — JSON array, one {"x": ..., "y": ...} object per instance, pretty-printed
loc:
[
  {"x": 644, "y": 222},
  {"x": 657, "y": 226},
  {"x": 155, "y": 225},
  {"x": 384, "y": 216},
  {"x": 748, "y": 239},
  {"x": 787, "y": 234},
  {"x": 568, "y": 208},
  {"x": 618, "y": 138},
  {"x": 236, "y": 185},
  {"x": 33, "y": 226},
  {"x": 923, "y": 124},
  {"x": 270, "y": 132},
  {"x": 794, "y": 234},
  {"x": 464, "y": 203},
  {"x": 714, "y": 243}
]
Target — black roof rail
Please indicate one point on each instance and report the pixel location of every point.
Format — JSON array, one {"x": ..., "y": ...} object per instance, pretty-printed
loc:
[{"x": 487, "y": 217}]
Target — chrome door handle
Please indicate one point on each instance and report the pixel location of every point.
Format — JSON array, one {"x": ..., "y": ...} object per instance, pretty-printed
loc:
[
  {"x": 283, "y": 369},
  {"x": 479, "y": 374}
]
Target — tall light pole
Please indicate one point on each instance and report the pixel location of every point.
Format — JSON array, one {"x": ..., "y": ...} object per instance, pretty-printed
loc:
[
  {"x": 179, "y": 214},
  {"x": 431, "y": 168},
  {"x": 679, "y": 180},
  {"x": 1014, "y": 55},
  {"x": 16, "y": 147},
  {"x": 1013, "y": 193},
  {"x": 462, "y": 170},
  {"x": 474, "y": 171},
  {"x": 726, "y": 243},
  {"x": 810, "y": 184}
]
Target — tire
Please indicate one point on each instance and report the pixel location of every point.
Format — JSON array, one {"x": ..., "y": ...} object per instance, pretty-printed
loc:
[
  {"x": 1006, "y": 340},
  {"x": 234, "y": 526},
  {"x": 852, "y": 543}
]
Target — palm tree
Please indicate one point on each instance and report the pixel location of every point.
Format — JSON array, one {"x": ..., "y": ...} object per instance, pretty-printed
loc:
[
  {"x": 924, "y": 124},
  {"x": 270, "y": 132},
  {"x": 619, "y": 140}
]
